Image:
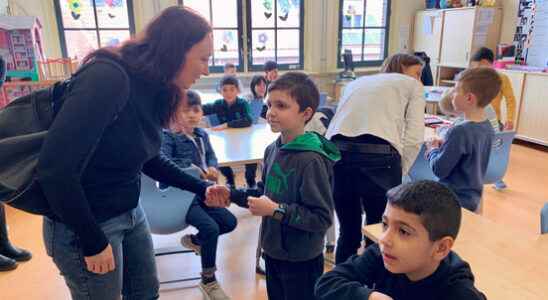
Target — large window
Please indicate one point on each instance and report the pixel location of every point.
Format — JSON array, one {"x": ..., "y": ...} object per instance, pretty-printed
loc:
[
  {"x": 225, "y": 18},
  {"x": 85, "y": 25},
  {"x": 273, "y": 32},
  {"x": 363, "y": 29}
]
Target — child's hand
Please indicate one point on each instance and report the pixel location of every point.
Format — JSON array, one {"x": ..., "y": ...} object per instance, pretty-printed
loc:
[
  {"x": 220, "y": 127},
  {"x": 433, "y": 144},
  {"x": 261, "y": 206},
  {"x": 379, "y": 296},
  {"x": 212, "y": 174}
]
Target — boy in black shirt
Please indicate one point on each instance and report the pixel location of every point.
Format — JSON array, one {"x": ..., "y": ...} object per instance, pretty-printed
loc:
[{"x": 413, "y": 259}]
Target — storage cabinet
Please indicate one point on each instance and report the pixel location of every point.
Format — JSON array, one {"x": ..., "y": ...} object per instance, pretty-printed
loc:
[
  {"x": 427, "y": 36},
  {"x": 465, "y": 31},
  {"x": 532, "y": 123}
]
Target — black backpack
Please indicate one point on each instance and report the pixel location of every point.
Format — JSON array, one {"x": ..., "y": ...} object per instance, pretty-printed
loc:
[{"x": 24, "y": 124}]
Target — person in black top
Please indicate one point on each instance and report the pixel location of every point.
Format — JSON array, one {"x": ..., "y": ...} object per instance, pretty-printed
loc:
[
  {"x": 107, "y": 132},
  {"x": 413, "y": 259}
]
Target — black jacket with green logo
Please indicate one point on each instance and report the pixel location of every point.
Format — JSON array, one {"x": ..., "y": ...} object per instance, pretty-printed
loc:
[{"x": 298, "y": 174}]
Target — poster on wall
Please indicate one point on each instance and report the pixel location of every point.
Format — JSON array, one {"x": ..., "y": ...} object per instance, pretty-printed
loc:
[
  {"x": 537, "y": 53},
  {"x": 524, "y": 29}
]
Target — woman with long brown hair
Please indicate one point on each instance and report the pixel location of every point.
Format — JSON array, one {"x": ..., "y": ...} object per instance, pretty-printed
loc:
[
  {"x": 105, "y": 134},
  {"x": 378, "y": 127}
]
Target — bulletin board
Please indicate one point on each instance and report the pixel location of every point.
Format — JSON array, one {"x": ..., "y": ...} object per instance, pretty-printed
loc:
[{"x": 531, "y": 36}]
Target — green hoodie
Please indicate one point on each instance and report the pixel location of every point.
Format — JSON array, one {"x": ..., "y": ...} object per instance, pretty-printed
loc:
[{"x": 299, "y": 175}]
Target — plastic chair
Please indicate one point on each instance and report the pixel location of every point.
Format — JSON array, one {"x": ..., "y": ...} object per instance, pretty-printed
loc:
[
  {"x": 166, "y": 210},
  {"x": 213, "y": 120},
  {"x": 255, "y": 109},
  {"x": 421, "y": 170},
  {"x": 500, "y": 155},
  {"x": 323, "y": 99},
  {"x": 544, "y": 219}
]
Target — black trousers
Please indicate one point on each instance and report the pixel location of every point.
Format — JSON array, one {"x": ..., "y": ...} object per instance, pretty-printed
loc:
[
  {"x": 361, "y": 181},
  {"x": 287, "y": 280},
  {"x": 250, "y": 174}
]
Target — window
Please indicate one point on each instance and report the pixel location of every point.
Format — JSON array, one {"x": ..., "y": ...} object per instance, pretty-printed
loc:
[
  {"x": 275, "y": 32},
  {"x": 363, "y": 29},
  {"x": 225, "y": 18},
  {"x": 85, "y": 25}
]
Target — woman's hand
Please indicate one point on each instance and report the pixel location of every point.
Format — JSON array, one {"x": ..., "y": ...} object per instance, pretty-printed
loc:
[
  {"x": 217, "y": 196},
  {"x": 212, "y": 174},
  {"x": 101, "y": 263}
]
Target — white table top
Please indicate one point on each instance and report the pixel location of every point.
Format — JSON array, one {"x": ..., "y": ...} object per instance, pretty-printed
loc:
[
  {"x": 434, "y": 93},
  {"x": 237, "y": 146}
]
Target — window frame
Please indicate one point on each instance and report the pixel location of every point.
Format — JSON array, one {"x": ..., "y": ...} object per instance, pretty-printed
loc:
[
  {"x": 253, "y": 68},
  {"x": 61, "y": 28},
  {"x": 239, "y": 28},
  {"x": 364, "y": 63}
]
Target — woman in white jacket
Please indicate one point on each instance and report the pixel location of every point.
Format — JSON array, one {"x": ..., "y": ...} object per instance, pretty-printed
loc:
[{"x": 378, "y": 127}]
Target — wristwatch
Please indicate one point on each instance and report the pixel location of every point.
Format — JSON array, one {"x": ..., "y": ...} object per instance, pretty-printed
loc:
[{"x": 279, "y": 212}]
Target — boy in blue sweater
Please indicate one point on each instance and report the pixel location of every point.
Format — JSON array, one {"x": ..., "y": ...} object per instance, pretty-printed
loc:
[
  {"x": 188, "y": 145},
  {"x": 460, "y": 161},
  {"x": 232, "y": 112},
  {"x": 413, "y": 258}
]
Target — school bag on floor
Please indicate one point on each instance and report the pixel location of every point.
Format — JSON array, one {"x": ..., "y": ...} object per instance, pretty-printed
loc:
[{"x": 24, "y": 125}]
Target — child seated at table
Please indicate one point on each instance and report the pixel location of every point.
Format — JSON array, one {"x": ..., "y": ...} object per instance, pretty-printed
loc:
[
  {"x": 460, "y": 161},
  {"x": 413, "y": 258},
  {"x": 232, "y": 112},
  {"x": 188, "y": 145}
]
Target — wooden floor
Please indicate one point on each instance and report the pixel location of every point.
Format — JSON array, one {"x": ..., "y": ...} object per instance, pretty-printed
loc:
[{"x": 518, "y": 206}]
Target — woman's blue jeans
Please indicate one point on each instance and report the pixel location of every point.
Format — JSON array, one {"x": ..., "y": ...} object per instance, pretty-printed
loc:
[{"x": 135, "y": 275}]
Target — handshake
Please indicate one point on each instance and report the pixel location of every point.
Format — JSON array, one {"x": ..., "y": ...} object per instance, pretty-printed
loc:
[{"x": 219, "y": 196}]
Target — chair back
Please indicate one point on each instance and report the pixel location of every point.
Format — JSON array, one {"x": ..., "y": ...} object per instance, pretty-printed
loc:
[
  {"x": 213, "y": 120},
  {"x": 256, "y": 108},
  {"x": 499, "y": 157},
  {"x": 166, "y": 209},
  {"x": 421, "y": 170},
  {"x": 57, "y": 69},
  {"x": 544, "y": 219}
]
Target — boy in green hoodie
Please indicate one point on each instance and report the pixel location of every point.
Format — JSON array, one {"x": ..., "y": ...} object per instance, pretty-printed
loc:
[{"x": 294, "y": 197}]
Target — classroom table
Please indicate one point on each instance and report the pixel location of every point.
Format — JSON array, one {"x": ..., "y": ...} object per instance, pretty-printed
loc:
[
  {"x": 432, "y": 95},
  {"x": 237, "y": 146},
  {"x": 507, "y": 263}
]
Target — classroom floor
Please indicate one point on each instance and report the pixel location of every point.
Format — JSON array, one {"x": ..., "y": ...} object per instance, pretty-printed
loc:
[{"x": 518, "y": 206}]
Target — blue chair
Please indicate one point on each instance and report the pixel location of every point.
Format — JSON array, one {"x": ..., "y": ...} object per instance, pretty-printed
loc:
[
  {"x": 323, "y": 99},
  {"x": 498, "y": 160},
  {"x": 421, "y": 170},
  {"x": 256, "y": 108},
  {"x": 544, "y": 219},
  {"x": 165, "y": 210},
  {"x": 213, "y": 120}
]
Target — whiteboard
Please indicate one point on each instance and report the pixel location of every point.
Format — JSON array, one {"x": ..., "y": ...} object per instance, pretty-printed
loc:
[{"x": 537, "y": 54}]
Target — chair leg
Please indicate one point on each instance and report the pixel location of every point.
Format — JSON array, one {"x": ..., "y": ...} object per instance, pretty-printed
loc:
[
  {"x": 500, "y": 185},
  {"x": 175, "y": 250}
]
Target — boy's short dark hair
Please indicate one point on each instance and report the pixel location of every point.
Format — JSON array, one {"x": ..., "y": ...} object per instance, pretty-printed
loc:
[
  {"x": 484, "y": 53},
  {"x": 193, "y": 99},
  {"x": 229, "y": 80},
  {"x": 270, "y": 65},
  {"x": 484, "y": 83},
  {"x": 229, "y": 65},
  {"x": 300, "y": 87},
  {"x": 436, "y": 206}
]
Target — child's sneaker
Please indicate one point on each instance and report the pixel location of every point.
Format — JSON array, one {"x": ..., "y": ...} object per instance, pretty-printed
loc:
[
  {"x": 213, "y": 291},
  {"x": 187, "y": 242}
]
